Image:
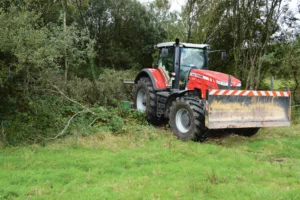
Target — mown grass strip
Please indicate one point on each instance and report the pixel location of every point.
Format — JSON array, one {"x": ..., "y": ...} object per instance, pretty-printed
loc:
[{"x": 148, "y": 163}]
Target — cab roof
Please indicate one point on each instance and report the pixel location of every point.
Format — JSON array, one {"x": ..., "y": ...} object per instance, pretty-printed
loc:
[{"x": 170, "y": 44}]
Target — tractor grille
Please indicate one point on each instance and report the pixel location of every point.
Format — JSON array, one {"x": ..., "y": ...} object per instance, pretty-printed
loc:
[{"x": 222, "y": 87}]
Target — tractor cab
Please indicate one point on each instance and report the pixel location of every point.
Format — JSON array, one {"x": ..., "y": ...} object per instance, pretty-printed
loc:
[{"x": 177, "y": 59}]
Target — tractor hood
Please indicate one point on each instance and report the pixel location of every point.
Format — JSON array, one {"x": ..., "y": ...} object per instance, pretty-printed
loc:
[{"x": 218, "y": 77}]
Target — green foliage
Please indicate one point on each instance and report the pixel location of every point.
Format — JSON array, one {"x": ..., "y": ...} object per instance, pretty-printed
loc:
[
  {"x": 168, "y": 20},
  {"x": 29, "y": 52},
  {"x": 36, "y": 53},
  {"x": 125, "y": 33},
  {"x": 107, "y": 90},
  {"x": 283, "y": 61},
  {"x": 42, "y": 119},
  {"x": 23, "y": 44},
  {"x": 111, "y": 89},
  {"x": 295, "y": 113},
  {"x": 78, "y": 46},
  {"x": 48, "y": 115},
  {"x": 116, "y": 124}
]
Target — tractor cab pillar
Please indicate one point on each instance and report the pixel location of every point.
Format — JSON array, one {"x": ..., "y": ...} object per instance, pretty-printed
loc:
[{"x": 176, "y": 65}]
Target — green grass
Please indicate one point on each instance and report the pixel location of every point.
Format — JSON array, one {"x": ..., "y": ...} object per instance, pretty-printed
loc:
[{"x": 149, "y": 163}]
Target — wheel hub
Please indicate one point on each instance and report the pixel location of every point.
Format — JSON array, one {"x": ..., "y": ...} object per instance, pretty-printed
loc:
[
  {"x": 141, "y": 102},
  {"x": 183, "y": 120}
]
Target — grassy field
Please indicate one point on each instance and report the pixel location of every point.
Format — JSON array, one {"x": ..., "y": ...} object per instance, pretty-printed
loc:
[{"x": 149, "y": 163}]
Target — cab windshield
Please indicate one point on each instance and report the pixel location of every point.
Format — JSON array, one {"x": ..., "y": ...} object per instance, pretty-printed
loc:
[
  {"x": 189, "y": 58},
  {"x": 192, "y": 58}
]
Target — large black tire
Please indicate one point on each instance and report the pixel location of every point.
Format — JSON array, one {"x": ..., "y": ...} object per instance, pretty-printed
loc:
[
  {"x": 145, "y": 100},
  {"x": 243, "y": 131},
  {"x": 187, "y": 119}
]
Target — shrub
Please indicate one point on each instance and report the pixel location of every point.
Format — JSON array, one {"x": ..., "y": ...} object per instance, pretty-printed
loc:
[
  {"x": 116, "y": 124},
  {"x": 296, "y": 114},
  {"x": 46, "y": 113},
  {"x": 107, "y": 90},
  {"x": 111, "y": 89}
]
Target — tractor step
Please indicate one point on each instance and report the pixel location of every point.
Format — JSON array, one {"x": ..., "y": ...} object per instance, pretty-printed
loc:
[{"x": 161, "y": 102}]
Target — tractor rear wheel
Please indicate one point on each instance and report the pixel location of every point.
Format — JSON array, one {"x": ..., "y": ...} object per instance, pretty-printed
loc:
[
  {"x": 187, "y": 119},
  {"x": 145, "y": 100}
]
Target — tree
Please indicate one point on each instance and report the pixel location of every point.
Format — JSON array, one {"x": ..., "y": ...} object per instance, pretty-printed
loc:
[
  {"x": 29, "y": 50},
  {"x": 254, "y": 24},
  {"x": 125, "y": 33},
  {"x": 167, "y": 20}
]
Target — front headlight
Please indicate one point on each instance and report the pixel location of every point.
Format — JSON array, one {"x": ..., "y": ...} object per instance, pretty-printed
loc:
[{"x": 222, "y": 83}]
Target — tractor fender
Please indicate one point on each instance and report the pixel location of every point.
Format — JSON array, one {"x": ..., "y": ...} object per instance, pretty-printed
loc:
[
  {"x": 156, "y": 77},
  {"x": 174, "y": 96}
]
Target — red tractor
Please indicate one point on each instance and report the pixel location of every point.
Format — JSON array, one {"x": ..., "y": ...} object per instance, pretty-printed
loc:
[{"x": 194, "y": 99}]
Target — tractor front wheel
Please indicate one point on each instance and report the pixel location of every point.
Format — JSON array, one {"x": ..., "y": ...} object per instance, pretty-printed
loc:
[
  {"x": 145, "y": 100},
  {"x": 187, "y": 119}
]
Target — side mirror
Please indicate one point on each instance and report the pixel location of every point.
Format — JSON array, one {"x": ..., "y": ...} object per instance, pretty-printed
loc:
[
  {"x": 224, "y": 55},
  {"x": 164, "y": 52}
]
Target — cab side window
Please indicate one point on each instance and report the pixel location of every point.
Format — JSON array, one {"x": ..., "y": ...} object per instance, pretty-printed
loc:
[{"x": 167, "y": 63}]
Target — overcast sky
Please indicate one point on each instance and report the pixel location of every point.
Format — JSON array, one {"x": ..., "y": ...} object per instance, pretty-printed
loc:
[{"x": 176, "y": 4}]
